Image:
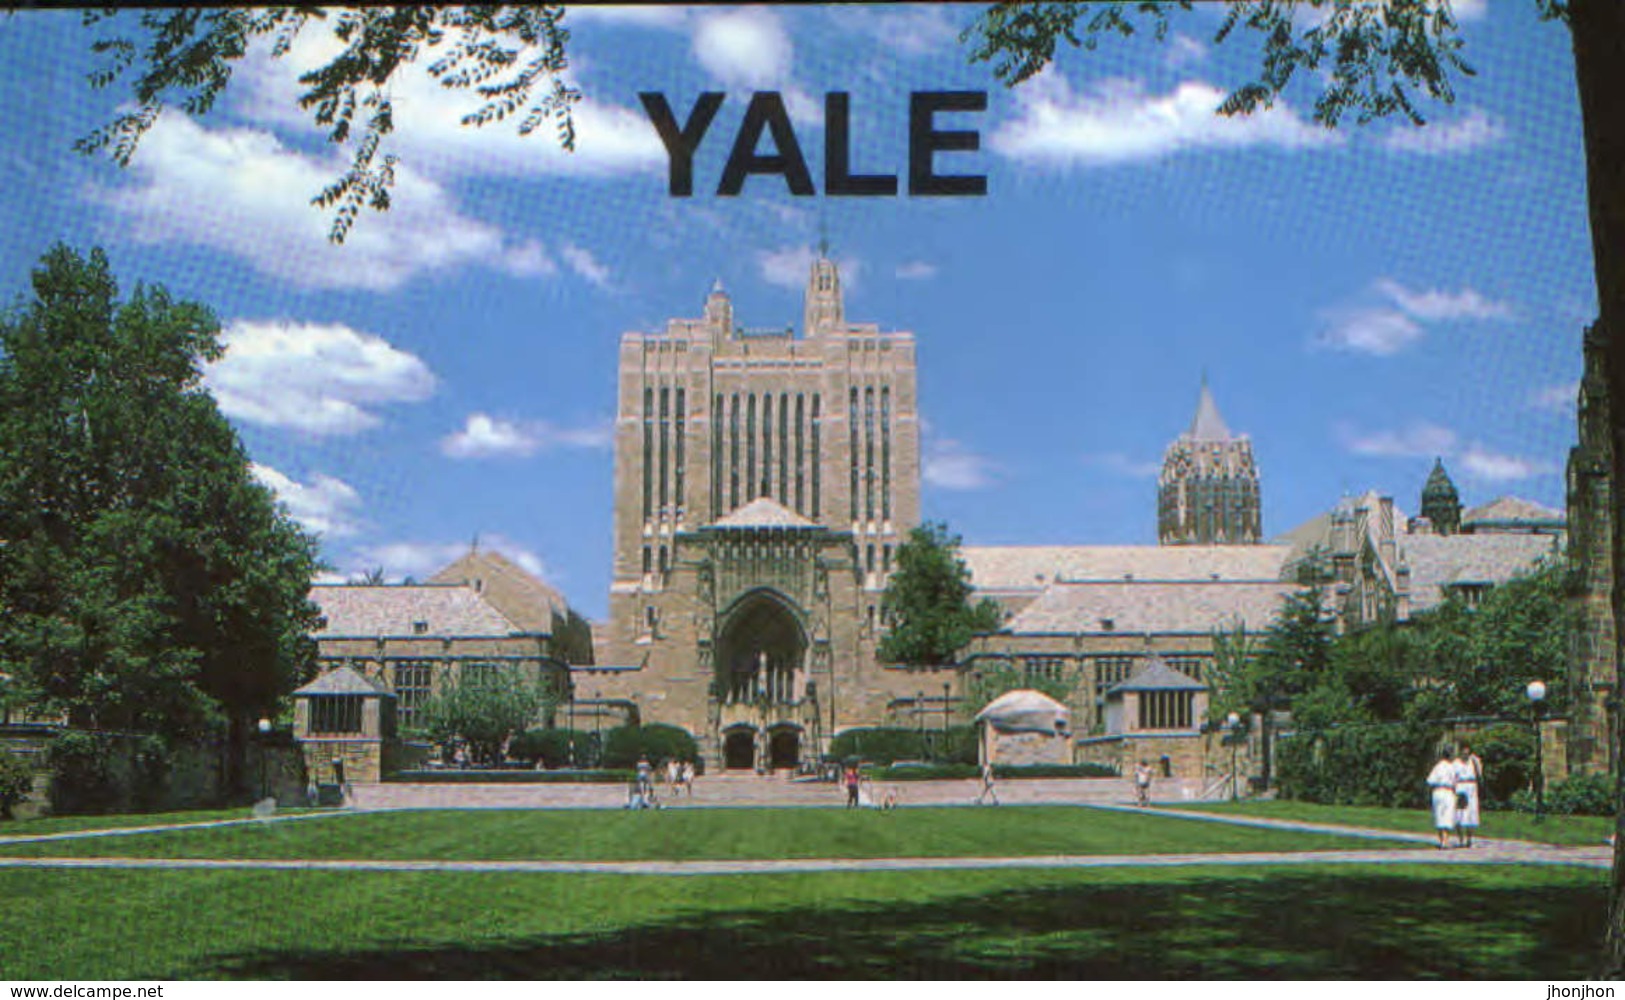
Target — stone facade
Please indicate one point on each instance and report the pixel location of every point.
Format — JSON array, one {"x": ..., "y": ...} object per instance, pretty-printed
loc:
[
  {"x": 1208, "y": 493},
  {"x": 1593, "y": 738},
  {"x": 763, "y": 481}
]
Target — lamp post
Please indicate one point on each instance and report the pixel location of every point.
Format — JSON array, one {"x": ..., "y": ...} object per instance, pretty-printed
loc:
[
  {"x": 1232, "y": 723},
  {"x": 265, "y": 731},
  {"x": 1537, "y": 703}
]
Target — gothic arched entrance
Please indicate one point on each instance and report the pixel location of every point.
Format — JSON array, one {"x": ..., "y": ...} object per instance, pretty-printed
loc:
[
  {"x": 761, "y": 652},
  {"x": 783, "y": 747},
  {"x": 739, "y": 749}
]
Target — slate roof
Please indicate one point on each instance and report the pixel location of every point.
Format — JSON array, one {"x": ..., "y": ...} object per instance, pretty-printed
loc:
[
  {"x": 526, "y": 600},
  {"x": 1157, "y": 675},
  {"x": 1504, "y": 510},
  {"x": 998, "y": 568},
  {"x": 392, "y": 611},
  {"x": 343, "y": 680},
  {"x": 763, "y": 512},
  {"x": 1184, "y": 607},
  {"x": 1438, "y": 561}
]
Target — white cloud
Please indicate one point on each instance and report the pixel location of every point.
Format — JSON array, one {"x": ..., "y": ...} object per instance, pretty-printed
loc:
[
  {"x": 746, "y": 47},
  {"x": 788, "y": 267},
  {"x": 583, "y": 263},
  {"x": 1183, "y": 50},
  {"x": 1368, "y": 331},
  {"x": 1469, "y": 10},
  {"x": 242, "y": 192},
  {"x": 421, "y": 560},
  {"x": 1436, "y": 304},
  {"x": 1560, "y": 398},
  {"x": 326, "y": 505},
  {"x": 908, "y": 30},
  {"x": 312, "y": 377},
  {"x": 485, "y": 436},
  {"x": 1118, "y": 122},
  {"x": 916, "y": 270},
  {"x": 1419, "y": 440},
  {"x": 1482, "y": 463},
  {"x": 949, "y": 465},
  {"x": 650, "y": 16},
  {"x": 1119, "y": 464},
  {"x": 1474, "y": 130}
]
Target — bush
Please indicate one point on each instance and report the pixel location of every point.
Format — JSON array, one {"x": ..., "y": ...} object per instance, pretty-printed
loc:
[
  {"x": 1508, "y": 752},
  {"x": 1054, "y": 771},
  {"x": 1370, "y": 765},
  {"x": 552, "y": 747},
  {"x": 16, "y": 782},
  {"x": 584, "y": 777},
  {"x": 886, "y": 745},
  {"x": 1016, "y": 772},
  {"x": 82, "y": 778},
  {"x": 624, "y": 745},
  {"x": 925, "y": 772},
  {"x": 1576, "y": 795}
]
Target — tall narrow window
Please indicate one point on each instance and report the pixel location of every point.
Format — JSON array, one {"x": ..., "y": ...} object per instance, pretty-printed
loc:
[
  {"x": 767, "y": 446},
  {"x": 717, "y": 458},
  {"x": 885, "y": 452},
  {"x": 801, "y": 453},
  {"x": 784, "y": 448},
  {"x": 750, "y": 446},
  {"x": 733, "y": 452},
  {"x": 817, "y": 456},
  {"x": 665, "y": 438},
  {"x": 648, "y": 560},
  {"x": 852, "y": 436},
  {"x": 648, "y": 451},
  {"x": 869, "y": 454},
  {"x": 664, "y": 565},
  {"x": 681, "y": 426}
]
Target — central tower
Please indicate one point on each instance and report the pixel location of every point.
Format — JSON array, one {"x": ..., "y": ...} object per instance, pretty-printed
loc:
[
  {"x": 1208, "y": 492},
  {"x": 763, "y": 481}
]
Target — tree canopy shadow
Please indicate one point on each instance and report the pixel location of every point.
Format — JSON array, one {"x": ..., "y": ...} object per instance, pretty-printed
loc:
[{"x": 1292, "y": 925}]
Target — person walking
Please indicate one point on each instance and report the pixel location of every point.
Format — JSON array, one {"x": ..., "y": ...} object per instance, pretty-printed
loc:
[
  {"x": 988, "y": 791},
  {"x": 1469, "y": 784},
  {"x": 685, "y": 777},
  {"x": 1442, "y": 783},
  {"x": 1142, "y": 783},
  {"x": 646, "y": 777},
  {"x": 850, "y": 778}
]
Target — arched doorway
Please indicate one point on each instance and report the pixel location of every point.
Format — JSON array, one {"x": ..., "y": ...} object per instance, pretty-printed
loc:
[
  {"x": 783, "y": 748},
  {"x": 739, "y": 749},
  {"x": 761, "y": 652}
]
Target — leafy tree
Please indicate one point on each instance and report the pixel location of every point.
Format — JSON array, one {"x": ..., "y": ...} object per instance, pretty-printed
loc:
[
  {"x": 147, "y": 583},
  {"x": 1294, "y": 658},
  {"x": 511, "y": 56},
  {"x": 986, "y": 684},
  {"x": 16, "y": 783},
  {"x": 484, "y": 709},
  {"x": 927, "y": 602}
]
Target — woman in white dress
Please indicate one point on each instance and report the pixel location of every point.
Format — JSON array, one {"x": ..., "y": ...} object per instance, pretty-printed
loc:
[
  {"x": 1442, "y": 785},
  {"x": 1469, "y": 773}
]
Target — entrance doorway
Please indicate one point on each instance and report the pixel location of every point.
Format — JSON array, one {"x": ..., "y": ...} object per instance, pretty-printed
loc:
[
  {"x": 739, "y": 750},
  {"x": 760, "y": 652},
  {"x": 784, "y": 748}
]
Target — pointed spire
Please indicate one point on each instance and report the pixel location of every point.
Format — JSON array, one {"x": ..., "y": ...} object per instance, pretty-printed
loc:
[
  {"x": 1208, "y": 425},
  {"x": 716, "y": 287},
  {"x": 824, "y": 309}
]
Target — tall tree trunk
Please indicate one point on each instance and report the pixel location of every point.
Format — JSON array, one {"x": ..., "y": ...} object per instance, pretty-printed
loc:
[{"x": 1598, "y": 29}]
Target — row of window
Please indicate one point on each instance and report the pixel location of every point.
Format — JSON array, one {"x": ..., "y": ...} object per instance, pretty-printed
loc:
[
  {"x": 864, "y": 478},
  {"x": 662, "y": 476},
  {"x": 790, "y": 440}
]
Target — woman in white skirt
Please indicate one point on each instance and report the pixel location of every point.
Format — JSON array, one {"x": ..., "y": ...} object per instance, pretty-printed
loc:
[
  {"x": 1442, "y": 785},
  {"x": 1469, "y": 773}
]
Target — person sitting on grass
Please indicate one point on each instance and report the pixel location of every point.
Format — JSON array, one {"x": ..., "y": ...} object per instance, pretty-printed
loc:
[{"x": 1442, "y": 786}]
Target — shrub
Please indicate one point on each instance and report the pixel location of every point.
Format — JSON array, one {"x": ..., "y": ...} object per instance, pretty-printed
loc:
[
  {"x": 587, "y": 777},
  {"x": 1369, "y": 765},
  {"x": 552, "y": 747},
  {"x": 1054, "y": 771},
  {"x": 82, "y": 778},
  {"x": 16, "y": 782},
  {"x": 624, "y": 745},
  {"x": 925, "y": 772},
  {"x": 886, "y": 745},
  {"x": 1508, "y": 752},
  {"x": 1576, "y": 795}
]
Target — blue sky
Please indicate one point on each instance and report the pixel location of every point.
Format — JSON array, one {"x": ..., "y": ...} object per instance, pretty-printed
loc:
[{"x": 1361, "y": 301}]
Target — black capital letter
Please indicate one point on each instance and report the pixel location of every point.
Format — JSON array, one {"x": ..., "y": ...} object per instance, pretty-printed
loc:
[
  {"x": 838, "y": 176},
  {"x": 680, "y": 146},
  {"x": 766, "y": 108},
  {"x": 924, "y": 141}
]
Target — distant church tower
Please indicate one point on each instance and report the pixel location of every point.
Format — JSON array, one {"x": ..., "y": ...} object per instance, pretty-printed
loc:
[
  {"x": 1208, "y": 491},
  {"x": 1441, "y": 504}
]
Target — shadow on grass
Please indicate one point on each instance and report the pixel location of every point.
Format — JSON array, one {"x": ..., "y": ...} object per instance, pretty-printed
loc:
[{"x": 1247, "y": 926}]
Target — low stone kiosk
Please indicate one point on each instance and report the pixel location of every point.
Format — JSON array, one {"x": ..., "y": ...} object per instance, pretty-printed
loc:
[
  {"x": 1025, "y": 727},
  {"x": 345, "y": 726},
  {"x": 1156, "y": 715}
]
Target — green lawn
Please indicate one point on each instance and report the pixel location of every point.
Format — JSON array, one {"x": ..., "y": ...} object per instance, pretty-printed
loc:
[
  {"x": 1575, "y": 831},
  {"x": 1202, "y": 923},
  {"x": 599, "y": 835},
  {"x": 68, "y": 824}
]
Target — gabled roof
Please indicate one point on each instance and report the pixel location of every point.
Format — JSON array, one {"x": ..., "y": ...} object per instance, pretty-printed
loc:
[
  {"x": 343, "y": 680},
  {"x": 763, "y": 512},
  {"x": 1186, "y": 607},
  {"x": 1512, "y": 510},
  {"x": 1004, "y": 568},
  {"x": 508, "y": 587},
  {"x": 1157, "y": 675},
  {"x": 396, "y": 611},
  {"x": 1441, "y": 561}
]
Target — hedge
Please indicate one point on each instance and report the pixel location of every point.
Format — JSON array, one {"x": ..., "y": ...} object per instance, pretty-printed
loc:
[
  {"x": 886, "y": 745},
  {"x": 594, "y": 777},
  {"x": 552, "y": 747},
  {"x": 1375, "y": 765},
  {"x": 624, "y": 745},
  {"x": 1576, "y": 795},
  {"x": 1016, "y": 772}
]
